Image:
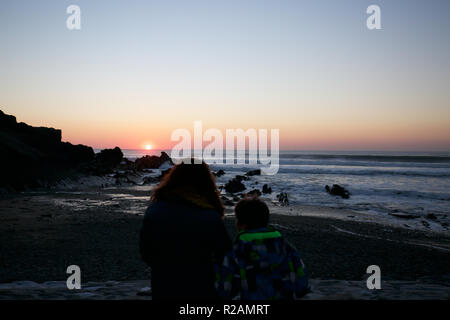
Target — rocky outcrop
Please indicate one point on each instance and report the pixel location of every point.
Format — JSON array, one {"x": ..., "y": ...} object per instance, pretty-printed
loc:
[
  {"x": 127, "y": 178},
  {"x": 266, "y": 189},
  {"x": 109, "y": 158},
  {"x": 219, "y": 173},
  {"x": 152, "y": 162},
  {"x": 254, "y": 193},
  {"x": 31, "y": 155},
  {"x": 108, "y": 161},
  {"x": 337, "y": 190},
  {"x": 242, "y": 178},
  {"x": 234, "y": 185},
  {"x": 35, "y": 157},
  {"x": 283, "y": 198},
  {"x": 256, "y": 172}
]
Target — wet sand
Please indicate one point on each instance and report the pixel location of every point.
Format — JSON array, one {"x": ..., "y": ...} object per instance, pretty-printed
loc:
[
  {"x": 98, "y": 229},
  {"x": 140, "y": 290}
]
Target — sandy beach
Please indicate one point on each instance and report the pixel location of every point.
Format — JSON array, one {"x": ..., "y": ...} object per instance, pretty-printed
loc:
[
  {"x": 140, "y": 290},
  {"x": 41, "y": 233}
]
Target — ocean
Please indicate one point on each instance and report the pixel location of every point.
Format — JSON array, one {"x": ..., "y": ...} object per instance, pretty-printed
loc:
[{"x": 380, "y": 183}]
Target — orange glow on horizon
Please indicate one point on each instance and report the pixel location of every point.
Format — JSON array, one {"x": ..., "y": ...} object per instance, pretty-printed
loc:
[{"x": 309, "y": 134}]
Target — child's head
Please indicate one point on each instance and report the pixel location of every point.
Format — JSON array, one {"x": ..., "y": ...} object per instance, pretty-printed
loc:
[{"x": 251, "y": 213}]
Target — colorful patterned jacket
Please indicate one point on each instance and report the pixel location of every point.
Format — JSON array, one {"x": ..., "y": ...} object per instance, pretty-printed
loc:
[{"x": 262, "y": 265}]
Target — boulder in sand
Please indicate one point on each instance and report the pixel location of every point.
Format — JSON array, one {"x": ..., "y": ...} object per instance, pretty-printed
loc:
[
  {"x": 36, "y": 156},
  {"x": 256, "y": 172},
  {"x": 242, "y": 178},
  {"x": 234, "y": 185},
  {"x": 219, "y": 173},
  {"x": 109, "y": 158},
  {"x": 283, "y": 198},
  {"x": 266, "y": 189},
  {"x": 153, "y": 162},
  {"x": 128, "y": 165},
  {"x": 337, "y": 190},
  {"x": 254, "y": 193}
]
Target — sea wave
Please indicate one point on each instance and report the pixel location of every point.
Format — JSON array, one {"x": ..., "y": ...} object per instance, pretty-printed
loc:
[
  {"x": 365, "y": 171},
  {"x": 371, "y": 158},
  {"x": 355, "y": 163},
  {"x": 347, "y": 170}
]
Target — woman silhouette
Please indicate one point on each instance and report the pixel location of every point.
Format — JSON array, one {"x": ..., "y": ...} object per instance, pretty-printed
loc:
[{"x": 183, "y": 233}]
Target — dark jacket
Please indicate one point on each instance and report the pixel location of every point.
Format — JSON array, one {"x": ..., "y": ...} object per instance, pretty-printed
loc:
[{"x": 179, "y": 241}]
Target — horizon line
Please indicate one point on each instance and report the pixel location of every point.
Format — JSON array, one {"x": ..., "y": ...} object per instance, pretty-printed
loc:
[{"x": 299, "y": 150}]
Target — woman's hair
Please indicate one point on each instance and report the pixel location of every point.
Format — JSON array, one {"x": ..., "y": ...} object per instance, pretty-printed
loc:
[{"x": 194, "y": 180}]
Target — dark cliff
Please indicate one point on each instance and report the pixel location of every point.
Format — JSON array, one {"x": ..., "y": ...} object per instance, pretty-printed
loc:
[{"x": 33, "y": 155}]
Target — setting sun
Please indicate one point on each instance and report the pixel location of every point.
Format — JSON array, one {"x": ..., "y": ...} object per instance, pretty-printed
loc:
[{"x": 148, "y": 147}]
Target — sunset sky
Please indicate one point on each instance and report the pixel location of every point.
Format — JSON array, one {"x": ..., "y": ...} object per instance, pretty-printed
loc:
[{"x": 137, "y": 70}]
